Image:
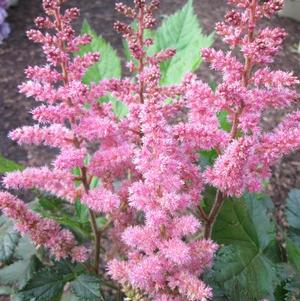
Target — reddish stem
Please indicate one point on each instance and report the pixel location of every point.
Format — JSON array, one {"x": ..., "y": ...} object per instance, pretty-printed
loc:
[{"x": 140, "y": 37}]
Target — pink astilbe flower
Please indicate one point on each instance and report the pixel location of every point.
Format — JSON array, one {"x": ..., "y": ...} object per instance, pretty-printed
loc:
[
  {"x": 70, "y": 158},
  {"x": 284, "y": 139},
  {"x": 244, "y": 95},
  {"x": 57, "y": 182},
  {"x": 159, "y": 249},
  {"x": 229, "y": 65},
  {"x": 230, "y": 170},
  {"x": 84, "y": 136},
  {"x": 53, "y": 114},
  {"x": 55, "y": 135},
  {"x": 190, "y": 287},
  {"x": 101, "y": 200},
  {"x": 48, "y": 233}
]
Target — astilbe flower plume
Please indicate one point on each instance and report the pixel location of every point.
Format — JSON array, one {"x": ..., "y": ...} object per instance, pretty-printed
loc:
[
  {"x": 161, "y": 252},
  {"x": 247, "y": 90},
  {"x": 160, "y": 262},
  {"x": 65, "y": 123},
  {"x": 43, "y": 232}
]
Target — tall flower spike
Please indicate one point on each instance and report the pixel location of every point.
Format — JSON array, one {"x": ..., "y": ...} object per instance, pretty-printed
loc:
[
  {"x": 159, "y": 252},
  {"x": 245, "y": 94},
  {"x": 83, "y": 136}
]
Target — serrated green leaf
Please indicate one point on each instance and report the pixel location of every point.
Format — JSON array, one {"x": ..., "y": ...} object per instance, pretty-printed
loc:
[
  {"x": 9, "y": 239},
  {"x": 6, "y": 290},
  {"x": 48, "y": 284},
  {"x": 109, "y": 65},
  {"x": 247, "y": 272},
  {"x": 7, "y": 165},
  {"x": 181, "y": 31},
  {"x": 19, "y": 272},
  {"x": 25, "y": 248},
  {"x": 293, "y": 215},
  {"x": 87, "y": 287}
]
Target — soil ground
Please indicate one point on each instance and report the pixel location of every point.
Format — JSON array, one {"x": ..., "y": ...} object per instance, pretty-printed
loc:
[{"x": 17, "y": 52}]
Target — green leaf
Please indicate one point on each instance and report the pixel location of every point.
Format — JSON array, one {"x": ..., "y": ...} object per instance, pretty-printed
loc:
[
  {"x": 7, "y": 165},
  {"x": 293, "y": 285},
  {"x": 25, "y": 248},
  {"x": 293, "y": 252},
  {"x": 207, "y": 158},
  {"x": 109, "y": 65},
  {"x": 224, "y": 123},
  {"x": 87, "y": 287},
  {"x": 181, "y": 31},
  {"x": 9, "y": 239},
  {"x": 80, "y": 228},
  {"x": 293, "y": 215},
  {"x": 65, "y": 216},
  {"x": 69, "y": 296},
  {"x": 19, "y": 272},
  {"x": 82, "y": 212},
  {"x": 49, "y": 202},
  {"x": 246, "y": 272},
  {"x": 95, "y": 182},
  {"x": 119, "y": 108},
  {"x": 48, "y": 284},
  {"x": 293, "y": 243}
]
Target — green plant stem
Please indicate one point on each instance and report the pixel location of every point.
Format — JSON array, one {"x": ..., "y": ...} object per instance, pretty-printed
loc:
[
  {"x": 97, "y": 239},
  {"x": 96, "y": 232}
]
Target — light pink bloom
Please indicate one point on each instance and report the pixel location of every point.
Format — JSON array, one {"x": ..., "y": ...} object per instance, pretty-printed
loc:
[{"x": 48, "y": 233}]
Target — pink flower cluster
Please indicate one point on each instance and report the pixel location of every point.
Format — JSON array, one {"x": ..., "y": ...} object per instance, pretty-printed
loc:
[
  {"x": 147, "y": 163},
  {"x": 43, "y": 232},
  {"x": 66, "y": 123},
  {"x": 246, "y": 91}
]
